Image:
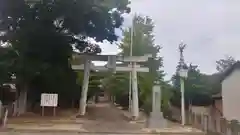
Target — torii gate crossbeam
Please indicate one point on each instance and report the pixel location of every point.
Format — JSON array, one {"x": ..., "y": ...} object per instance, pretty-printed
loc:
[{"x": 113, "y": 58}]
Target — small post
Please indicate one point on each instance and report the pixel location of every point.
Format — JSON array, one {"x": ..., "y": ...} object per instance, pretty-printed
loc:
[
  {"x": 1, "y": 109},
  {"x": 54, "y": 111},
  {"x": 5, "y": 118},
  {"x": 72, "y": 104},
  {"x": 42, "y": 110}
]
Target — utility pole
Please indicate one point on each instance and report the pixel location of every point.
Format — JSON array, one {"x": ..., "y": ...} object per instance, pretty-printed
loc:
[
  {"x": 130, "y": 73},
  {"x": 133, "y": 87},
  {"x": 182, "y": 101},
  {"x": 183, "y": 74}
]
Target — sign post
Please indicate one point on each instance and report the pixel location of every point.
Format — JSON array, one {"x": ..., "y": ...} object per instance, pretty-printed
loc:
[{"x": 49, "y": 100}]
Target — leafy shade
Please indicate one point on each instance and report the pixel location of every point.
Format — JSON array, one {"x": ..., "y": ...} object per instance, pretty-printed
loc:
[
  {"x": 41, "y": 35},
  {"x": 142, "y": 44},
  {"x": 197, "y": 90},
  {"x": 225, "y": 63}
]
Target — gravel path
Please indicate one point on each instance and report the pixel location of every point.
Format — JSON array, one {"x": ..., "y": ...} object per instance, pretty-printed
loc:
[{"x": 103, "y": 117}]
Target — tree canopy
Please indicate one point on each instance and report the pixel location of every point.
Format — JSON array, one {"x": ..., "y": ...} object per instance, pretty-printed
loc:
[
  {"x": 225, "y": 63},
  {"x": 40, "y": 37},
  {"x": 142, "y": 44},
  {"x": 43, "y": 35},
  {"x": 197, "y": 90}
]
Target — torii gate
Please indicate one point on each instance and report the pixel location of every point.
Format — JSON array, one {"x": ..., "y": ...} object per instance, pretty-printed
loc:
[{"x": 111, "y": 65}]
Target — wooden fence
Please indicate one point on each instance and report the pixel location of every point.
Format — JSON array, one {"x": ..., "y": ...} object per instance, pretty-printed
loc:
[{"x": 213, "y": 126}]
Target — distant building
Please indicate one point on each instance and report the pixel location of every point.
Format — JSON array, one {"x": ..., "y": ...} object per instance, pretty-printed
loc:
[
  {"x": 231, "y": 93},
  {"x": 226, "y": 101}
]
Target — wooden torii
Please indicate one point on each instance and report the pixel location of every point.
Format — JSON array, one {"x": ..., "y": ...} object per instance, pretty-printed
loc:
[{"x": 111, "y": 66}]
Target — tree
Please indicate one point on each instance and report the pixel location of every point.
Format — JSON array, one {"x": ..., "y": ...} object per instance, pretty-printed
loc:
[
  {"x": 7, "y": 57},
  {"x": 117, "y": 85},
  {"x": 94, "y": 86},
  {"x": 43, "y": 34},
  {"x": 197, "y": 91},
  {"x": 143, "y": 43},
  {"x": 225, "y": 63}
]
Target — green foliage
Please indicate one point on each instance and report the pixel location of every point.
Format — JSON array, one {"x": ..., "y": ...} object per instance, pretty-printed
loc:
[
  {"x": 200, "y": 87},
  {"x": 94, "y": 82},
  {"x": 224, "y": 64},
  {"x": 142, "y": 44},
  {"x": 41, "y": 36},
  {"x": 7, "y": 58},
  {"x": 197, "y": 92}
]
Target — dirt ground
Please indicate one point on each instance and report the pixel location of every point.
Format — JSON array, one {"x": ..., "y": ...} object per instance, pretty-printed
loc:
[{"x": 102, "y": 118}]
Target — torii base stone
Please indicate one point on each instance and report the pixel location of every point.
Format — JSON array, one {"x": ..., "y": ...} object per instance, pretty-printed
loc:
[{"x": 156, "y": 121}]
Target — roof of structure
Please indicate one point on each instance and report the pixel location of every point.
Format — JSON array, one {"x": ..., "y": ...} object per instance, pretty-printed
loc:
[
  {"x": 224, "y": 75},
  {"x": 230, "y": 70}
]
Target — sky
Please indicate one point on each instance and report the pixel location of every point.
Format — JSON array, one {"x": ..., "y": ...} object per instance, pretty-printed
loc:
[{"x": 210, "y": 28}]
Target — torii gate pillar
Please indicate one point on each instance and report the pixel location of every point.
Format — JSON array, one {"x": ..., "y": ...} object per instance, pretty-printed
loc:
[
  {"x": 83, "y": 100},
  {"x": 135, "y": 104},
  {"x": 112, "y": 66}
]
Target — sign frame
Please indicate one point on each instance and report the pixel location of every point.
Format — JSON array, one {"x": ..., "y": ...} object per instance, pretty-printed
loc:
[{"x": 49, "y": 100}]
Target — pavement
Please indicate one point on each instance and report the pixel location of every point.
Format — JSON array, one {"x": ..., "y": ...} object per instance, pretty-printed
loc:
[
  {"x": 101, "y": 118},
  {"x": 15, "y": 133}
]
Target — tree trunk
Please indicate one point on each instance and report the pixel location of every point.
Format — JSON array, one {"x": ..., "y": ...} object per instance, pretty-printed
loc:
[
  {"x": 15, "y": 107},
  {"x": 22, "y": 101}
]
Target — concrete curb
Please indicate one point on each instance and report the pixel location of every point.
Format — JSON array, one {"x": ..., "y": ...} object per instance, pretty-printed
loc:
[
  {"x": 92, "y": 132},
  {"x": 51, "y": 122},
  {"x": 108, "y": 133},
  {"x": 152, "y": 131}
]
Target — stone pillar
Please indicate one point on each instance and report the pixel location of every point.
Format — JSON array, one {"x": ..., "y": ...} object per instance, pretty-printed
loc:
[
  {"x": 156, "y": 119},
  {"x": 135, "y": 105},
  {"x": 83, "y": 100}
]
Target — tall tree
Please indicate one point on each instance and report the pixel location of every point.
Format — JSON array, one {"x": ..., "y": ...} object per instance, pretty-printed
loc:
[
  {"x": 197, "y": 91},
  {"x": 43, "y": 34},
  {"x": 142, "y": 44},
  {"x": 225, "y": 63}
]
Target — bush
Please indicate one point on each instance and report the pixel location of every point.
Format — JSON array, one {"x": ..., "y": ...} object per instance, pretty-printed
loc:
[
  {"x": 147, "y": 106},
  {"x": 122, "y": 100},
  {"x": 167, "y": 113}
]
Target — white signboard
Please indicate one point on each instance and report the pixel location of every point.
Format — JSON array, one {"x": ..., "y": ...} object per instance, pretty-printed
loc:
[{"x": 49, "y": 100}]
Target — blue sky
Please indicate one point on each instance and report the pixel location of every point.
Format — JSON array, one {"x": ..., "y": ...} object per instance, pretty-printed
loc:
[{"x": 210, "y": 28}]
